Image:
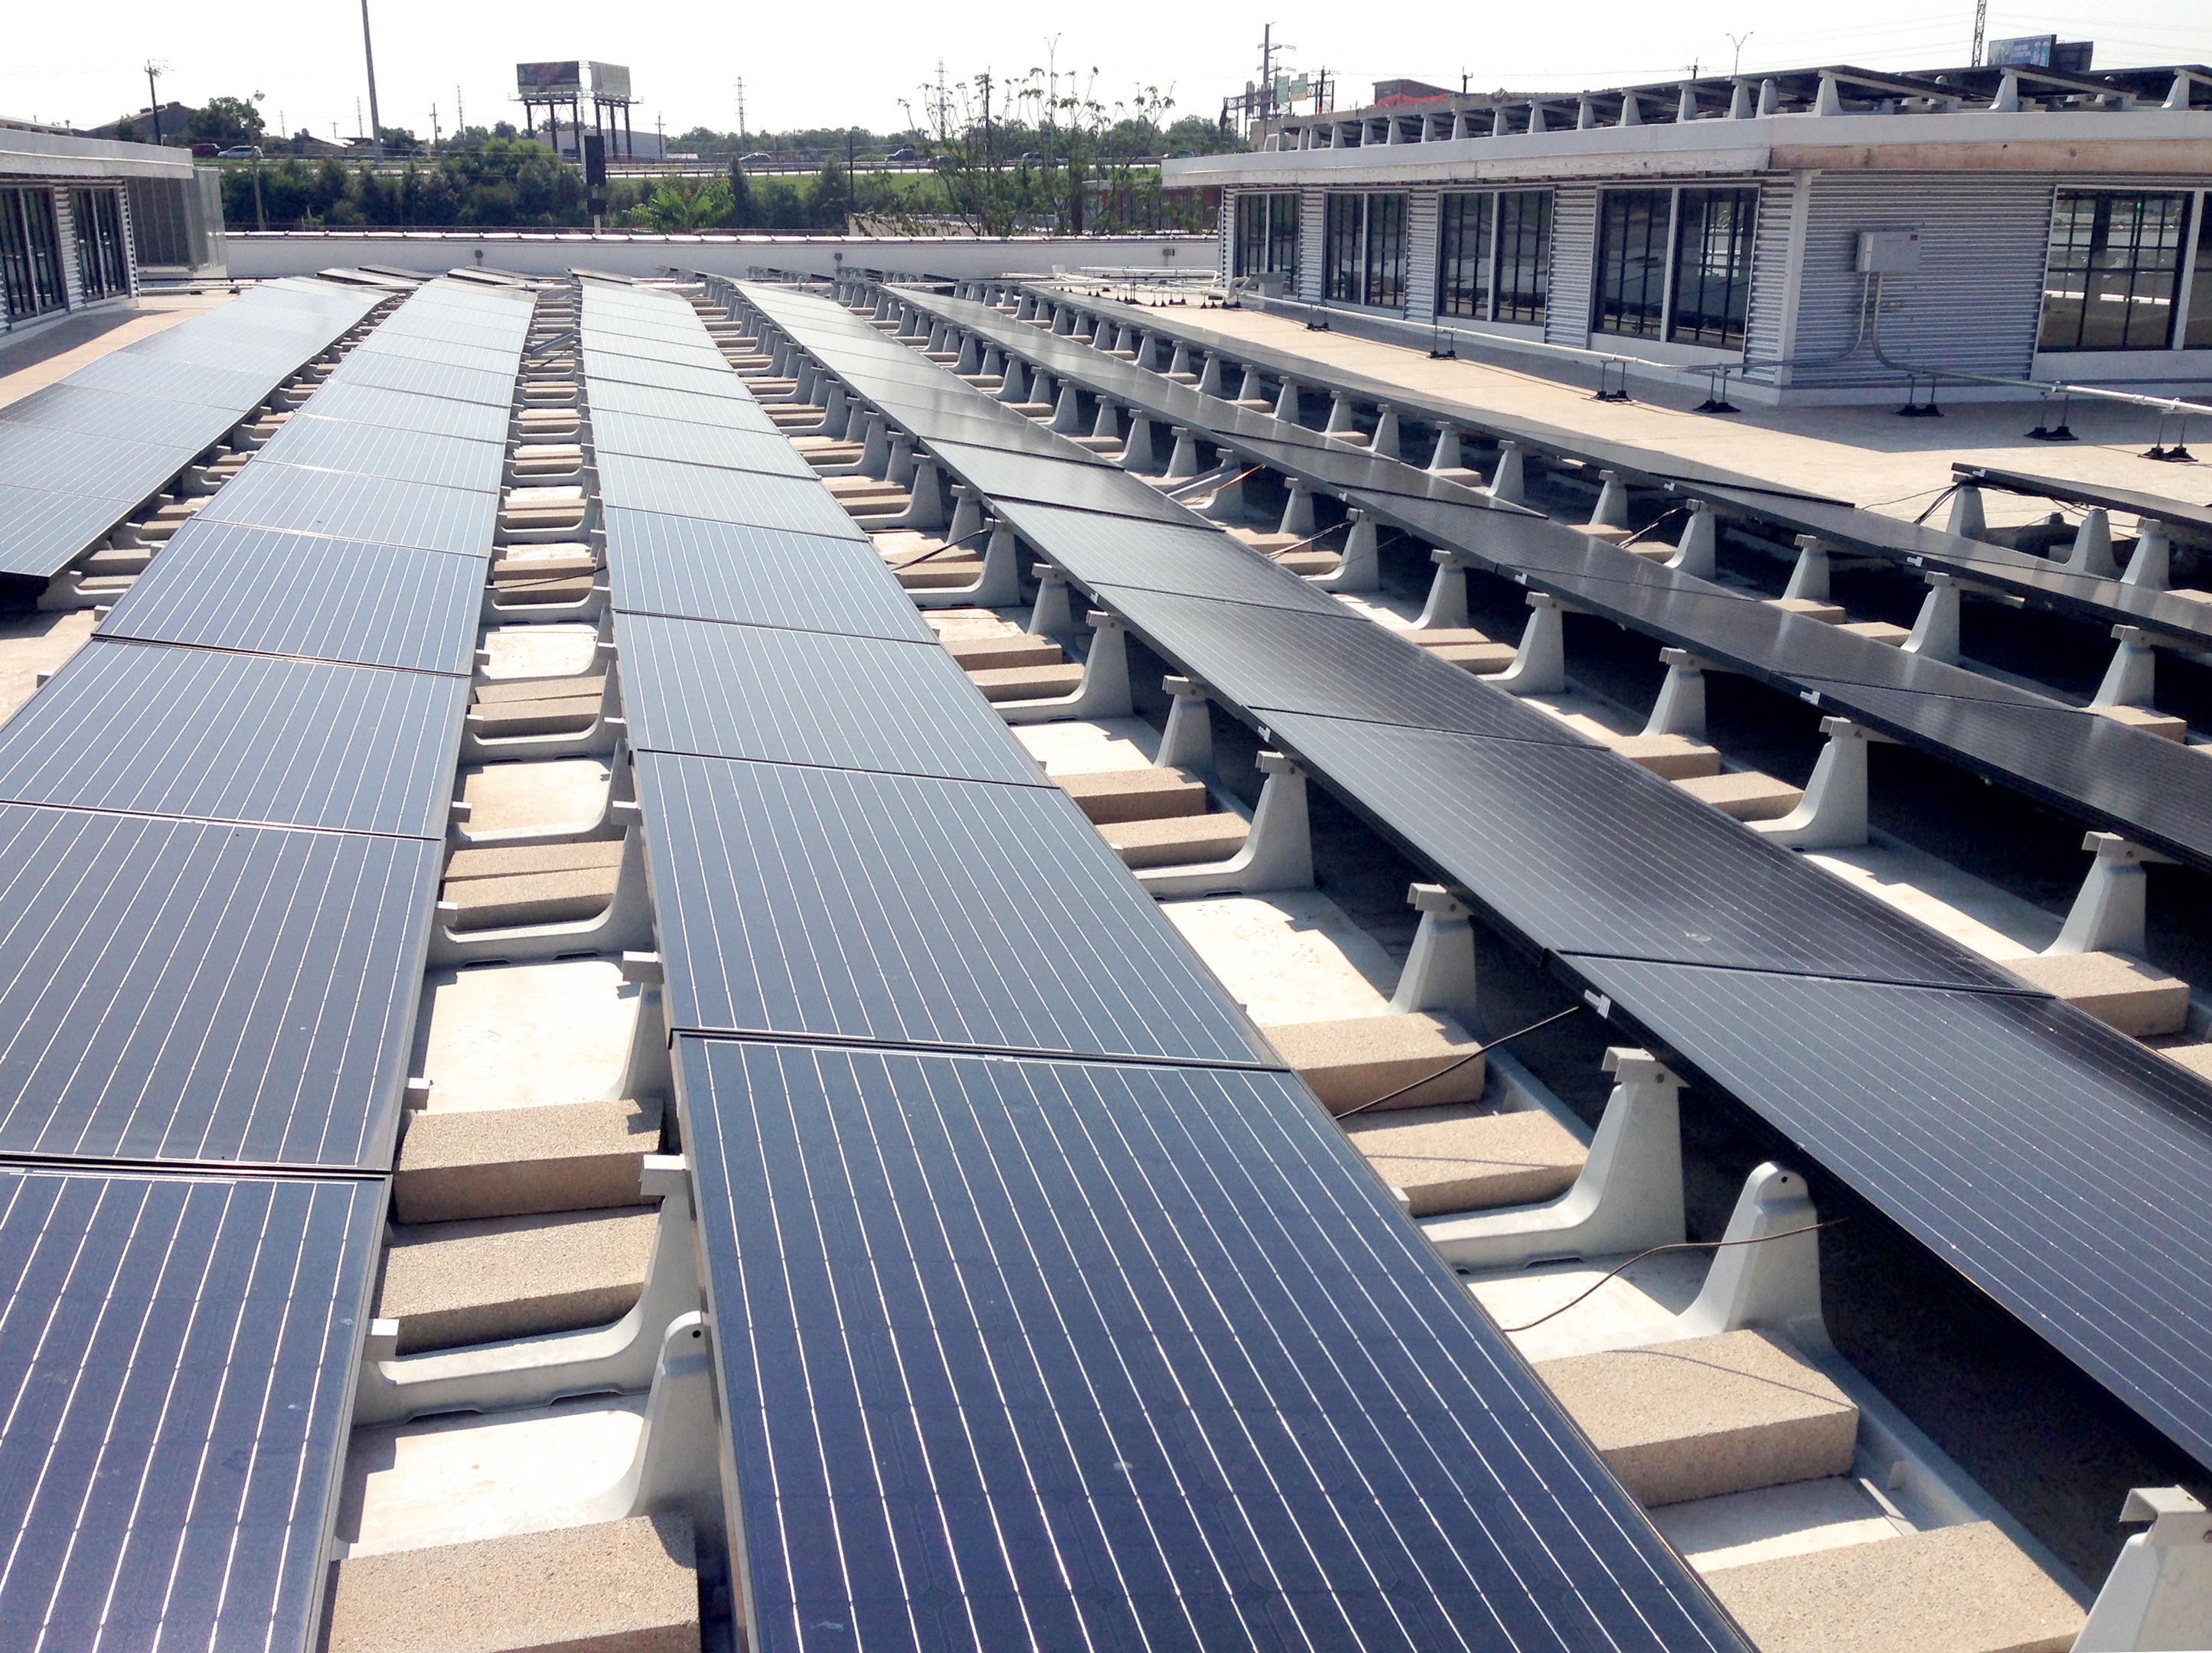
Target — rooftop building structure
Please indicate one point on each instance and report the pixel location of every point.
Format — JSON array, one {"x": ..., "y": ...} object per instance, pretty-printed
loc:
[
  {"x": 1823, "y": 235},
  {"x": 81, "y": 219}
]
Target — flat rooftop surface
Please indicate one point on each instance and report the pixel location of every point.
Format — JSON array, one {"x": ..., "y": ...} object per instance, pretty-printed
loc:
[
  {"x": 44, "y": 355},
  {"x": 1864, "y": 453}
]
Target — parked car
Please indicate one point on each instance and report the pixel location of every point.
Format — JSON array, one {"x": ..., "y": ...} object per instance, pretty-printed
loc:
[{"x": 241, "y": 152}]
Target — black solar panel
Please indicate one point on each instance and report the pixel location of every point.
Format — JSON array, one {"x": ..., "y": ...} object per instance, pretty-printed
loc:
[
  {"x": 378, "y": 508},
  {"x": 1184, "y": 559},
  {"x": 163, "y": 731},
  {"x": 702, "y": 570},
  {"x": 477, "y": 355},
  {"x": 604, "y": 365},
  {"x": 179, "y": 991},
  {"x": 1583, "y": 852},
  {"x": 837, "y": 904},
  {"x": 810, "y": 697},
  {"x": 1044, "y": 1354},
  {"x": 77, "y": 462},
  {"x": 1059, "y": 481},
  {"x": 176, "y": 1354},
  {"x": 2058, "y": 1164},
  {"x": 128, "y": 373},
  {"x": 221, "y": 586},
  {"x": 798, "y": 503}
]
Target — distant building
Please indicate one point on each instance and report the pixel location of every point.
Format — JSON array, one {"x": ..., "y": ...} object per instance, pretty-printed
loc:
[
  {"x": 82, "y": 218},
  {"x": 1821, "y": 232}
]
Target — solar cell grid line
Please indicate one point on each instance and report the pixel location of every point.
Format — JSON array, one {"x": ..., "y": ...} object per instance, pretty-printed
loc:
[
  {"x": 1112, "y": 1356},
  {"x": 77, "y": 462},
  {"x": 1680, "y": 610},
  {"x": 902, "y": 708},
  {"x": 210, "y": 735},
  {"x": 690, "y": 568},
  {"x": 196, "y": 992},
  {"x": 342, "y": 506},
  {"x": 847, "y": 904},
  {"x": 2089, "y": 1154},
  {"x": 175, "y": 1358},
  {"x": 41, "y": 533},
  {"x": 263, "y": 592}
]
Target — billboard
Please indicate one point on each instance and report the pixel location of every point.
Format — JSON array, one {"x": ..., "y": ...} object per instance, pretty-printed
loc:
[
  {"x": 539, "y": 83},
  {"x": 609, "y": 80}
]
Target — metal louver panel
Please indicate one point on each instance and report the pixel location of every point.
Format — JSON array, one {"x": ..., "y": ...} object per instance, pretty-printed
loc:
[
  {"x": 1574, "y": 255},
  {"x": 1766, "y": 319},
  {"x": 1421, "y": 255}
]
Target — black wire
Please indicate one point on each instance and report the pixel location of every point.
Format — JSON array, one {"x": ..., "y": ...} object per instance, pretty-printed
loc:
[
  {"x": 1679, "y": 1245},
  {"x": 1458, "y": 1062}
]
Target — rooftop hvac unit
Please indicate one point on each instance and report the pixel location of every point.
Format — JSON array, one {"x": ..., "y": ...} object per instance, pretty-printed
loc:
[{"x": 1889, "y": 252}]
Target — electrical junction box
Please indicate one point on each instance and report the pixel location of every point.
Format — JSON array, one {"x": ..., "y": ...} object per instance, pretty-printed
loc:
[{"x": 1889, "y": 252}]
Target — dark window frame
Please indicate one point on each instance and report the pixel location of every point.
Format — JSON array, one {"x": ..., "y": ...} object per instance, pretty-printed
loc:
[
  {"x": 1709, "y": 300},
  {"x": 1343, "y": 242},
  {"x": 1467, "y": 225},
  {"x": 1635, "y": 244},
  {"x": 103, "y": 264},
  {"x": 1389, "y": 241},
  {"x": 1265, "y": 236},
  {"x": 2198, "y": 333},
  {"x": 1522, "y": 276},
  {"x": 31, "y": 252},
  {"x": 2084, "y": 268}
]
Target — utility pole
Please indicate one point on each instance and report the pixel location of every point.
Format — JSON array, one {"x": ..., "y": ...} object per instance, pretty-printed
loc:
[
  {"x": 1981, "y": 24},
  {"x": 1737, "y": 40},
  {"x": 368, "y": 56},
  {"x": 154, "y": 71},
  {"x": 434, "y": 129},
  {"x": 460, "y": 115},
  {"x": 741, "y": 117}
]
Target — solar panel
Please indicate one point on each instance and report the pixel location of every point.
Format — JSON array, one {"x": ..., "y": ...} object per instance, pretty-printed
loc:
[
  {"x": 41, "y": 533},
  {"x": 380, "y": 509},
  {"x": 1179, "y": 559},
  {"x": 714, "y": 445},
  {"x": 810, "y": 697},
  {"x": 163, "y": 731},
  {"x": 1049, "y": 1354},
  {"x": 656, "y": 402},
  {"x": 700, "y": 570},
  {"x": 604, "y": 365},
  {"x": 185, "y": 992},
  {"x": 832, "y": 903},
  {"x": 404, "y": 455},
  {"x": 799, "y": 504},
  {"x": 1583, "y": 852},
  {"x": 176, "y": 1354},
  {"x": 187, "y": 425},
  {"x": 2059, "y": 1165},
  {"x": 77, "y": 462},
  {"x": 370, "y": 405},
  {"x": 129, "y": 374},
  {"x": 419, "y": 378},
  {"x": 221, "y": 586},
  {"x": 482, "y": 356}
]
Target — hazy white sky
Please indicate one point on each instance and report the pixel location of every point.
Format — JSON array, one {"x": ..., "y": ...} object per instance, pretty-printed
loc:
[{"x": 841, "y": 62}]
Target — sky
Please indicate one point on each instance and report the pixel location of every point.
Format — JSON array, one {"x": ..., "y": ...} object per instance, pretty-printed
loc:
[{"x": 852, "y": 62}]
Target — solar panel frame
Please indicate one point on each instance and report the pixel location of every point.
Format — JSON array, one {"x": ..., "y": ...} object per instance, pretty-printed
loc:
[
  {"x": 690, "y": 568},
  {"x": 799, "y": 504},
  {"x": 339, "y": 505}
]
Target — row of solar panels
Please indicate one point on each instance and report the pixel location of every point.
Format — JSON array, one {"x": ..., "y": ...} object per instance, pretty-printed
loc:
[
  {"x": 1051, "y": 1311},
  {"x": 80, "y": 456},
  {"x": 219, "y": 828},
  {"x": 2112, "y": 777},
  {"x": 2050, "y": 1159},
  {"x": 1755, "y": 499}
]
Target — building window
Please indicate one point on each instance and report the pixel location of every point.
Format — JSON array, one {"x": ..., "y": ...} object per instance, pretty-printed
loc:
[
  {"x": 1364, "y": 250},
  {"x": 1267, "y": 235},
  {"x": 1385, "y": 251},
  {"x": 1712, "y": 266},
  {"x": 1631, "y": 263},
  {"x": 31, "y": 252},
  {"x": 2113, "y": 272},
  {"x": 101, "y": 265},
  {"x": 1524, "y": 255},
  {"x": 1347, "y": 223},
  {"x": 1463, "y": 255},
  {"x": 2199, "y": 336}
]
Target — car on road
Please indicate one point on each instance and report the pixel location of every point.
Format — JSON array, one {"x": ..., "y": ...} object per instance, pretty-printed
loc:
[{"x": 239, "y": 152}]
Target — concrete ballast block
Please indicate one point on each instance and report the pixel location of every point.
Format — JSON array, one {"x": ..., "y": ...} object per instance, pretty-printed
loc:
[
  {"x": 1178, "y": 841},
  {"x": 611, "y": 1587},
  {"x": 1149, "y": 794},
  {"x": 1461, "y": 1158},
  {"x": 1745, "y": 794},
  {"x": 1356, "y": 1061},
  {"x": 1671, "y": 757},
  {"x": 450, "y": 1284},
  {"x": 1966, "y": 1588},
  {"x": 520, "y": 1162},
  {"x": 2126, "y": 993},
  {"x": 1707, "y": 1416}
]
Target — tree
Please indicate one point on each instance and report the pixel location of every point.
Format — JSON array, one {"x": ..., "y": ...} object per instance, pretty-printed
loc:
[
  {"x": 677, "y": 207},
  {"x": 225, "y": 121},
  {"x": 398, "y": 140},
  {"x": 127, "y": 131}
]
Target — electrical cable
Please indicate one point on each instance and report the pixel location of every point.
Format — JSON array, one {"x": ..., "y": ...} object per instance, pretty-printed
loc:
[
  {"x": 1682, "y": 1245},
  {"x": 1458, "y": 1062}
]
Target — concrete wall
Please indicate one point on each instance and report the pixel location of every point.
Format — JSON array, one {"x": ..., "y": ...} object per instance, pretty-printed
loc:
[{"x": 257, "y": 254}]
